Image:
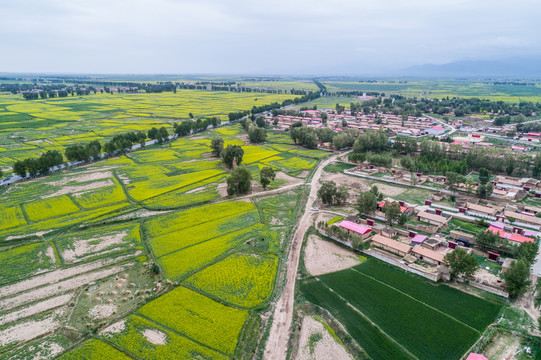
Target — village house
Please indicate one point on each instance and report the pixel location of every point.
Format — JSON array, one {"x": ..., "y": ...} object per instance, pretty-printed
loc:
[
  {"x": 522, "y": 218},
  {"x": 427, "y": 255},
  {"x": 481, "y": 210},
  {"x": 509, "y": 236},
  {"x": 432, "y": 219},
  {"x": 355, "y": 229},
  {"x": 390, "y": 245}
]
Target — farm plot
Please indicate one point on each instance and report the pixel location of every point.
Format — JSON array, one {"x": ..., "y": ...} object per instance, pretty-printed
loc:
[
  {"x": 94, "y": 350},
  {"x": 183, "y": 198},
  {"x": 147, "y": 340},
  {"x": 280, "y": 209},
  {"x": 244, "y": 280},
  {"x": 400, "y": 308},
  {"x": 199, "y": 318},
  {"x": 49, "y": 208},
  {"x": 43, "y": 227},
  {"x": 374, "y": 342},
  {"x": 183, "y": 263},
  {"x": 472, "y": 310},
  {"x": 184, "y": 219},
  {"x": 12, "y": 216},
  {"x": 84, "y": 245},
  {"x": 26, "y": 260},
  {"x": 100, "y": 197},
  {"x": 44, "y": 348},
  {"x": 187, "y": 237},
  {"x": 64, "y": 122}
]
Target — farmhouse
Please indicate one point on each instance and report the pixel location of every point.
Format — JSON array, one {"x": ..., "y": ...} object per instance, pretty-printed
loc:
[
  {"x": 432, "y": 219},
  {"x": 429, "y": 256},
  {"x": 390, "y": 245},
  {"x": 481, "y": 210},
  {"x": 474, "y": 356},
  {"x": 418, "y": 239},
  {"x": 509, "y": 236},
  {"x": 355, "y": 229},
  {"x": 523, "y": 218}
]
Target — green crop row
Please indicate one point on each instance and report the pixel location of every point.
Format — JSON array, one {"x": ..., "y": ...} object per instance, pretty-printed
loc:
[
  {"x": 469, "y": 309},
  {"x": 426, "y": 332},
  {"x": 373, "y": 341}
]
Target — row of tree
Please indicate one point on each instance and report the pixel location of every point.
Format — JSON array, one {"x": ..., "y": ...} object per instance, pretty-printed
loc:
[
  {"x": 35, "y": 166},
  {"x": 274, "y": 106}
]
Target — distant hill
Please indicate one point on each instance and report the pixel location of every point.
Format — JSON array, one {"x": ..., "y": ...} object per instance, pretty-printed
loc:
[{"x": 524, "y": 68}]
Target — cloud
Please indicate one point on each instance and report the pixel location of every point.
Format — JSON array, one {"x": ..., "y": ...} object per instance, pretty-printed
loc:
[{"x": 277, "y": 36}]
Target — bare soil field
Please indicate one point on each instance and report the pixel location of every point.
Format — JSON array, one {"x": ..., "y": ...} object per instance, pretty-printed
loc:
[
  {"x": 315, "y": 343},
  {"x": 321, "y": 257}
]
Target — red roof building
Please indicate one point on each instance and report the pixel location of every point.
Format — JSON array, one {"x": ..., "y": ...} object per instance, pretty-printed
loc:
[
  {"x": 474, "y": 356},
  {"x": 509, "y": 236},
  {"x": 359, "y": 230}
]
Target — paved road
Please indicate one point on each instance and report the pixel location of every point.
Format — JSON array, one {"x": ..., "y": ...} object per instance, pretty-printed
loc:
[{"x": 277, "y": 343}]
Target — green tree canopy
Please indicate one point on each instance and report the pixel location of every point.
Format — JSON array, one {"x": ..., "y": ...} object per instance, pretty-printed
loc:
[
  {"x": 232, "y": 153},
  {"x": 217, "y": 145},
  {"x": 266, "y": 175},
  {"x": 517, "y": 278},
  {"x": 461, "y": 263}
]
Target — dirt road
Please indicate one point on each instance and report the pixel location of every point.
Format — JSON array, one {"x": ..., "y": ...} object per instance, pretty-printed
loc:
[{"x": 277, "y": 343}]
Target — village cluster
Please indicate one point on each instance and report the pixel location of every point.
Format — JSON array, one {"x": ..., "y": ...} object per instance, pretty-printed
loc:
[{"x": 422, "y": 243}]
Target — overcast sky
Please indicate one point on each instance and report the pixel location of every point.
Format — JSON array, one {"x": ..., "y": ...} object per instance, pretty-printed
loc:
[{"x": 266, "y": 37}]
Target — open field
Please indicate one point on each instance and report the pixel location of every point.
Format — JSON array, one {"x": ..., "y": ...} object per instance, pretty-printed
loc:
[
  {"x": 393, "y": 306},
  {"x": 442, "y": 88},
  {"x": 88, "y": 239},
  {"x": 31, "y": 127}
]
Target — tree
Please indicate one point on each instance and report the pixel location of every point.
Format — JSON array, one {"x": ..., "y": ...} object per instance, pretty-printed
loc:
[
  {"x": 1, "y": 174},
  {"x": 326, "y": 192},
  {"x": 470, "y": 184},
  {"x": 232, "y": 153},
  {"x": 19, "y": 168},
  {"x": 482, "y": 191},
  {"x": 484, "y": 176},
  {"x": 76, "y": 153},
  {"x": 260, "y": 121},
  {"x": 392, "y": 211},
  {"x": 239, "y": 182},
  {"x": 266, "y": 175},
  {"x": 330, "y": 194},
  {"x": 517, "y": 278},
  {"x": 153, "y": 133},
  {"x": 217, "y": 145},
  {"x": 257, "y": 134},
  {"x": 403, "y": 218},
  {"x": 527, "y": 251},
  {"x": 367, "y": 203},
  {"x": 490, "y": 189},
  {"x": 461, "y": 263},
  {"x": 344, "y": 123},
  {"x": 162, "y": 135},
  {"x": 93, "y": 149},
  {"x": 488, "y": 239}
]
